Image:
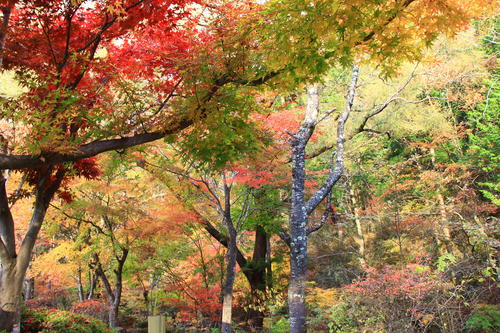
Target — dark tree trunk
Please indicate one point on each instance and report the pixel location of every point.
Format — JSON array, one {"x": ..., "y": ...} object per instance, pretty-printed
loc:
[
  {"x": 298, "y": 236},
  {"x": 114, "y": 296},
  {"x": 256, "y": 273}
]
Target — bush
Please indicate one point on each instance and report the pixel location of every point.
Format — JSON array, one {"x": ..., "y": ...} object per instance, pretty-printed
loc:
[
  {"x": 91, "y": 308},
  {"x": 55, "y": 321},
  {"x": 485, "y": 319}
]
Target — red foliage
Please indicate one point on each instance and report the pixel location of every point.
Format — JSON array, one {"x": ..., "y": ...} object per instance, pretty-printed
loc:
[
  {"x": 197, "y": 300},
  {"x": 49, "y": 298},
  {"x": 91, "y": 308},
  {"x": 411, "y": 282}
]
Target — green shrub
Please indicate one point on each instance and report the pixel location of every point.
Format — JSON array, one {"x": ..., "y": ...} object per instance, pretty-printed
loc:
[
  {"x": 486, "y": 319},
  {"x": 281, "y": 326},
  {"x": 55, "y": 321}
]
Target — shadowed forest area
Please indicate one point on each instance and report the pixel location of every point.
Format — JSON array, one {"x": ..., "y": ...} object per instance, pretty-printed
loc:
[{"x": 249, "y": 166}]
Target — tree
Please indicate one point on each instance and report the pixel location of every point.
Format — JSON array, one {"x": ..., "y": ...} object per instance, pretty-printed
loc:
[
  {"x": 74, "y": 86},
  {"x": 302, "y": 208}
]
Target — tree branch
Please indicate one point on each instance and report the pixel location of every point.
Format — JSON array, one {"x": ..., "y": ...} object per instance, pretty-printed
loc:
[{"x": 315, "y": 200}]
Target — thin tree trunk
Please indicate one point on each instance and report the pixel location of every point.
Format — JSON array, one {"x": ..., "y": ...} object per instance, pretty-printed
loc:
[
  {"x": 81, "y": 296},
  {"x": 442, "y": 232},
  {"x": 29, "y": 288},
  {"x": 227, "y": 301},
  {"x": 114, "y": 296},
  {"x": 359, "y": 227},
  {"x": 258, "y": 273},
  {"x": 92, "y": 284}
]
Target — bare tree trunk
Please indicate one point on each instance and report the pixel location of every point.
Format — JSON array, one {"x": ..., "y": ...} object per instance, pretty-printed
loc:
[
  {"x": 359, "y": 227},
  {"x": 259, "y": 274},
  {"x": 81, "y": 295},
  {"x": 227, "y": 301},
  {"x": 442, "y": 231},
  {"x": 114, "y": 296},
  {"x": 29, "y": 288},
  {"x": 301, "y": 209},
  {"x": 92, "y": 284}
]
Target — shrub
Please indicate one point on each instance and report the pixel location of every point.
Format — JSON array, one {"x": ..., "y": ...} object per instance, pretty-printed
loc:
[
  {"x": 91, "y": 308},
  {"x": 485, "y": 319},
  {"x": 399, "y": 300},
  {"x": 52, "y": 298},
  {"x": 55, "y": 321}
]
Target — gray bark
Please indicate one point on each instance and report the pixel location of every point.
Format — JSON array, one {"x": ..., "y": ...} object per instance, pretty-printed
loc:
[
  {"x": 301, "y": 209},
  {"x": 227, "y": 302}
]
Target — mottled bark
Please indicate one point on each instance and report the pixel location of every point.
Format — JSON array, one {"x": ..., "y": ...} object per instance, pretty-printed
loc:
[
  {"x": 301, "y": 209},
  {"x": 227, "y": 302}
]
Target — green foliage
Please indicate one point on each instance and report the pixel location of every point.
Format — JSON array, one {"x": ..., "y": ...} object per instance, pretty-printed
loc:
[
  {"x": 444, "y": 261},
  {"x": 55, "y": 321},
  {"x": 484, "y": 149},
  {"x": 281, "y": 326},
  {"x": 224, "y": 135},
  {"x": 341, "y": 319},
  {"x": 486, "y": 319}
]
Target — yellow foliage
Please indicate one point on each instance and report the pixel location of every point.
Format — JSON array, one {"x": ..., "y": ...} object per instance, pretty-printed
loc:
[{"x": 322, "y": 298}]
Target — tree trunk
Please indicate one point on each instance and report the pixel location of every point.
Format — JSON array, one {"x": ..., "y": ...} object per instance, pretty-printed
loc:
[
  {"x": 359, "y": 227},
  {"x": 227, "y": 302},
  {"x": 301, "y": 209},
  {"x": 92, "y": 285},
  {"x": 13, "y": 266},
  {"x": 258, "y": 273},
  {"x": 29, "y": 288},
  {"x": 113, "y": 314},
  {"x": 11, "y": 284},
  {"x": 298, "y": 216},
  {"x": 81, "y": 296}
]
